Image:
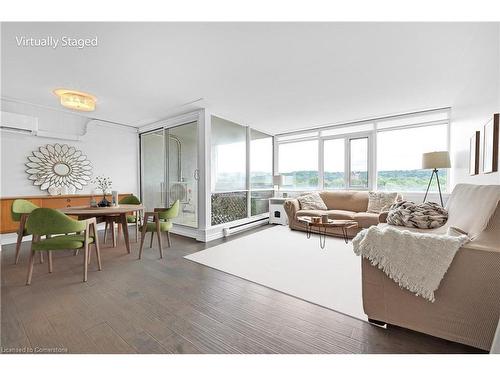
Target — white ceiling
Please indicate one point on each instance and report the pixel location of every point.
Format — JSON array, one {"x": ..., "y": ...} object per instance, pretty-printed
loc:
[{"x": 273, "y": 76}]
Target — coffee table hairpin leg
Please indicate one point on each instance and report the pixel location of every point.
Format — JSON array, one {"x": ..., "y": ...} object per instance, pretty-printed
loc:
[
  {"x": 322, "y": 237},
  {"x": 321, "y": 234},
  {"x": 308, "y": 231},
  {"x": 344, "y": 233}
]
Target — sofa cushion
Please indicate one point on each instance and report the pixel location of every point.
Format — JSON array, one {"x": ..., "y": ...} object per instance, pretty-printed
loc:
[
  {"x": 311, "y": 201},
  {"x": 417, "y": 215},
  {"x": 356, "y": 201},
  {"x": 310, "y": 212},
  {"x": 340, "y": 214},
  {"x": 379, "y": 201},
  {"x": 366, "y": 219},
  {"x": 470, "y": 207}
]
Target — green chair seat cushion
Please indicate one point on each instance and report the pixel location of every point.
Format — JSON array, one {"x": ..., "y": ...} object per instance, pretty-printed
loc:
[
  {"x": 70, "y": 241},
  {"x": 165, "y": 226},
  {"x": 131, "y": 218}
]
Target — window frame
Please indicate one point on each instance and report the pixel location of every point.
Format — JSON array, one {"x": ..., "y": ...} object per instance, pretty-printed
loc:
[
  {"x": 413, "y": 126},
  {"x": 372, "y": 145},
  {"x": 347, "y": 158},
  {"x": 247, "y": 186},
  {"x": 319, "y": 160}
]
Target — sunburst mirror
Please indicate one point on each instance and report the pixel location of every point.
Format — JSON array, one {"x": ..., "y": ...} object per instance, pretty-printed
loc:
[{"x": 57, "y": 168}]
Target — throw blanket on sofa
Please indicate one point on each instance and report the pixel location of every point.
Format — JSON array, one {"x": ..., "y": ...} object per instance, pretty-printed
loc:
[
  {"x": 423, "y": 215},
  {"x": 416, "y": 261}
]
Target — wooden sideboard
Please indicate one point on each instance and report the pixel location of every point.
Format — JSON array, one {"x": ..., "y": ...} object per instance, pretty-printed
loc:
[{"x": 48, "y": 201}]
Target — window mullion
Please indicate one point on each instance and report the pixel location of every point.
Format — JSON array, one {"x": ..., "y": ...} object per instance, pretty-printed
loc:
[{"x": 321, "y": 165}]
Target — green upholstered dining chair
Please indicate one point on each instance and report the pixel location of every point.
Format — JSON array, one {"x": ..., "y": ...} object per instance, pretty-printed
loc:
[
  {"x": 111, "y": 220},
  {"x": 136, "y": 217},
  {"x": 54, "y": 225},
  {"x": 161, "y": 222},
  {"x": 19, "y": 212}
]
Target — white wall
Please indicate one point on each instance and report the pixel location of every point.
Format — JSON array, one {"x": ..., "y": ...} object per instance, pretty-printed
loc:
[
  {"x": 476, "y": 103},
  {"x": 112, "y": 150}
]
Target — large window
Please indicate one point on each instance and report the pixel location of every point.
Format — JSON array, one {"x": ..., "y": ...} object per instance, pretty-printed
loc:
[
  {"x": 399, "y": 157},
  {"x": 358, "y": 163},
  {"x": 261, "y": 172},
  {"x": 334, "y": 163},
  {"x": 261, "y": 160},
  {"x": 343, "y": 157},
  {"x": 298, "y": 162},
  {"x": 228, "y": 155},
  {"x": 236, "y": 194}
]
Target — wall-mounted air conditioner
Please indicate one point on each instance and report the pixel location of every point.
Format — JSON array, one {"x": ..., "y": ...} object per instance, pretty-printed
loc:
[{"x": 18, "y": 123}]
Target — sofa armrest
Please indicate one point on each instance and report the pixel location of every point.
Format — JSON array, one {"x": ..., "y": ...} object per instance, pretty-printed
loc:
[
  {"x": 382, "y": 217},
  {"x": 291, "y": 208}
]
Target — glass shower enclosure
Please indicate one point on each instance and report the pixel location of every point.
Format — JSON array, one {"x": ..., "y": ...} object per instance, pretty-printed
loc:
[{"x": 169, "y": 171}]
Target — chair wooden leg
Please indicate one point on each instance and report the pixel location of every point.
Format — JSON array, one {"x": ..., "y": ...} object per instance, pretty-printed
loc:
[
  {"x": 105, "y": 231},
  {"x": 49, "y": 255},
  {"x": 143, "y": 237},
  {"x": 151, "y": 243},
  {"x": 85, "y": 262},
  {"x": 77, "y": 251},
  {"x": 113, "y": 234},
  {"x": 96, "y": 245},
  {"x": 30, "y": 267},
  {"x": 98, "y": 254},
  {"x": 18, "y": 247},
  {"x": 136, "y": 230},
  {"x": 158, "y": 233},
  {"x": 41, "y": 257},
  {"x": 168, "y": 239},
  {"x": 90, "y": 255}
]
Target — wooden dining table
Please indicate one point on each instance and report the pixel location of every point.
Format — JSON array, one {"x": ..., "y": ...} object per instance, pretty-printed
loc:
[{"x": 121, "y": 211}]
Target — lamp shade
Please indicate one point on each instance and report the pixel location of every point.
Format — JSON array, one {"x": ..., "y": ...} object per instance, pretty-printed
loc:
[
  {"x": 278, "y": 180},
  {"x": 438, "y": 159}
]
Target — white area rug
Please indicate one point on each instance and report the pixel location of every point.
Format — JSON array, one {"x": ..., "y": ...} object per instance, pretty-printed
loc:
[{"x": 287, "y": 261}]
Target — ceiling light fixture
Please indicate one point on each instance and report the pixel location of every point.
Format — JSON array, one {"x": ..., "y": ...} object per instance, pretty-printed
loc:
[{"x": 76, "y": 100}]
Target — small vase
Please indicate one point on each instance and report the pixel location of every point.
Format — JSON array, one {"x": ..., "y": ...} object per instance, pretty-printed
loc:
[{"x": 104, "y": 202}]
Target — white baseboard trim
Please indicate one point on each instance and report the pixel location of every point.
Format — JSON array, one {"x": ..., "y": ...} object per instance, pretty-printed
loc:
[{"x": 218, "y": 232}]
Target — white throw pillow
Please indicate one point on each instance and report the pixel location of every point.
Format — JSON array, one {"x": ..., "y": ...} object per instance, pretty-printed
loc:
[
  {"x": 311, "y": 201},
  {"x": 379, "y": 201}
]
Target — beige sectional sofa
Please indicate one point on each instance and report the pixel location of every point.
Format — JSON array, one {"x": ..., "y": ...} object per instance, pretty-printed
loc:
[
  {"x": 467, "y": 306},
  {"x": 342, "y": 205}
]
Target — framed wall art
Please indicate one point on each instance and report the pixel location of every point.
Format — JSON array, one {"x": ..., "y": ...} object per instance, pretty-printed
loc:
[
  {"x": 474, "y": 153},
  {"x": 490, "y": 145}
]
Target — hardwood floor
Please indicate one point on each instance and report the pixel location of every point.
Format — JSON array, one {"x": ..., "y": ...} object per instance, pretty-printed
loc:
[{"x": 175, "y": 306}]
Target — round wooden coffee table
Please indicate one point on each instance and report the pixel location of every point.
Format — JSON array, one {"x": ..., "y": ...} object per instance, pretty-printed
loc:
[{"x": 321, "y": 228}]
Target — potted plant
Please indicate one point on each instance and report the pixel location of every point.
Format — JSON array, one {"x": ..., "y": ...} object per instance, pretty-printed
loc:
[{"x": 104, "y": 184}]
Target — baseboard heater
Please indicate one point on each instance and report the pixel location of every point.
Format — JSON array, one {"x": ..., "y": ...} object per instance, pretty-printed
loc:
[{"x": 239, "y": 228}]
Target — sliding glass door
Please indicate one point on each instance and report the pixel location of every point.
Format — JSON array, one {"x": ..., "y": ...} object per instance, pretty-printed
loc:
[
  {"x": 169, "y": 162},
  {"x": 153, "y": 168},
  {"x": 182, "y": 176}
]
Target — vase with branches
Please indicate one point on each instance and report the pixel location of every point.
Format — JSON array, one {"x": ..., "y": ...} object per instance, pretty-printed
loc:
[{"x": 104, "y": 184}]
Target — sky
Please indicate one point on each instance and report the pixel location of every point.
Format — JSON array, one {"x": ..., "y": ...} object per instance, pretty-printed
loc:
[{"x": 231, "y": 157}]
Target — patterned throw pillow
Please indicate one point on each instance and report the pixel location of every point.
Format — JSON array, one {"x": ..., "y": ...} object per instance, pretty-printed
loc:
[
  {"x": 311, "y": 201},
  {"x": 379, "y": 202},
  {"x": 426, "y": 215}
]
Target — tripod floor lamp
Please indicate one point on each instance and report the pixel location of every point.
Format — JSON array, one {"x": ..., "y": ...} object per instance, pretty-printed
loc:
[{"x": 435, "y": 160}]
